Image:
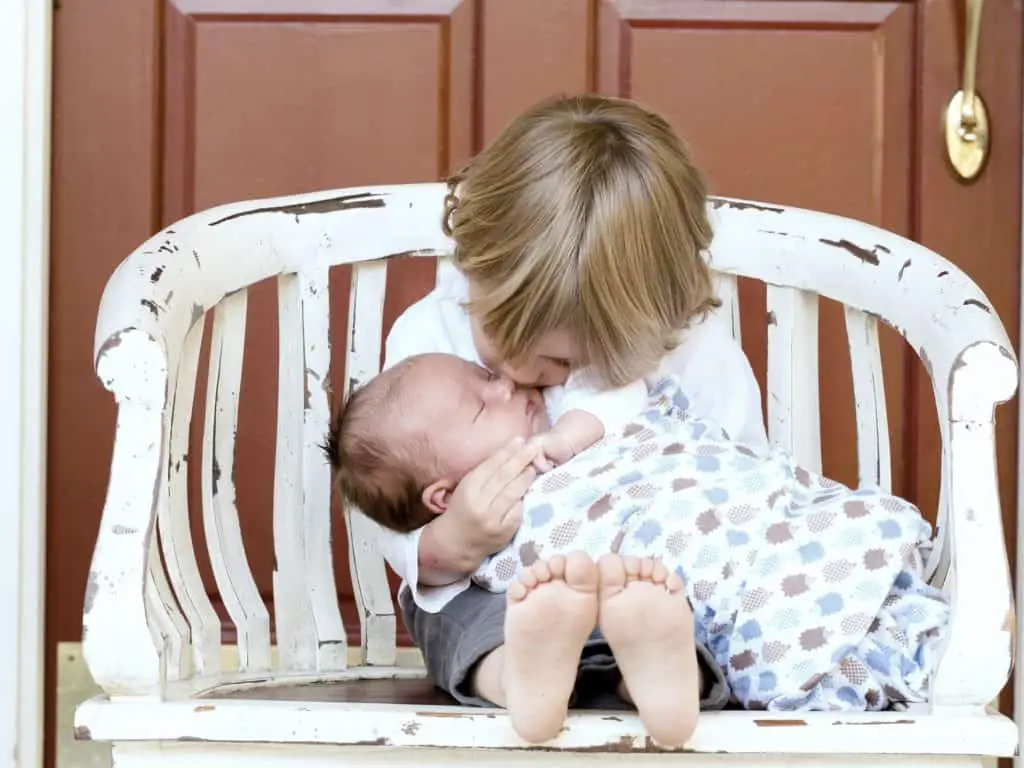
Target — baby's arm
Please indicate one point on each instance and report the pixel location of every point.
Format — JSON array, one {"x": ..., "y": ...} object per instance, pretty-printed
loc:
[
  {"x": 573, "y": 433},
  {"x": 587, "y": 415}
]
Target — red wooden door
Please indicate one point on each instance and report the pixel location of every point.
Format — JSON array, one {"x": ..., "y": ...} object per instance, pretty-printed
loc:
[{"x": 163, "y": 107}]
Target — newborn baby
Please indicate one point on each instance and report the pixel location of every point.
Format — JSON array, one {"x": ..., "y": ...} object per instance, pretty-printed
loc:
[
  {"x": 413, "y": 432},
  {"x": 807, "y": 594}
]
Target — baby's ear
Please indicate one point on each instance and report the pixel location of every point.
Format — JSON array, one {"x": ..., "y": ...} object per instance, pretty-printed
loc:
[{"x": 436, "y": 496}]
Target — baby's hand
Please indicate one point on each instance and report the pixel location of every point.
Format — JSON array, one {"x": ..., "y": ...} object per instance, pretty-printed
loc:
[
  {"x": 553, "y": 449},
  {"x": 573, "y": 433}
]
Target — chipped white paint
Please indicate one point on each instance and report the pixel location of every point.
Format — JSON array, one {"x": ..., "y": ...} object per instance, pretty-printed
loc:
[
  {"x": 166, "y": 622},
  {"x": 735, "y": 732},
  {"x": 976, "y": 662},
  {"x": 793, "y": 404},
  {"x": 116, "y": 641},
  {"x": 937, "y": 568},
  {"x": 293, "y": 612},
  {"x": 172, "y": 503},
  {"x": 174, "y": 520},
  {"x": 727, "y": 287},
  {"x": 332, "y": 646},
  {"x": 369, "y": 577},
  {"x": 165, "y": 287},
  {"x": 221, "y": 527},
  {"x": 874, "y": 466},
  {"x": 229, "y": 756}
]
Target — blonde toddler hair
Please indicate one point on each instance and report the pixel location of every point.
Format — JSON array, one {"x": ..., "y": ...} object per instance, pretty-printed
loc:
[{"x": 585, "y": 214}]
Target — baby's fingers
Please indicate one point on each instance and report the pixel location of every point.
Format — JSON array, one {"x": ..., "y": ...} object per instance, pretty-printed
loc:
[{"x": 542, "y": 464}]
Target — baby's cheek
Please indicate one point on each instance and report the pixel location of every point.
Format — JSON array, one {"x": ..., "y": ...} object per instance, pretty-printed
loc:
[
  {"x": 495, "y": 436},
  {"x": 474, "y": 449}
]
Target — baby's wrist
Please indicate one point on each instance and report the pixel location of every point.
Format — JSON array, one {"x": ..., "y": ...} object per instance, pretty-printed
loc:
[{"x": 579, "y": 429}]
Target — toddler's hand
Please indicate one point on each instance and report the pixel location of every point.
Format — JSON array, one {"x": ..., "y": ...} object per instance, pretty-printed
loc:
[{"x": 487, "y": 506}]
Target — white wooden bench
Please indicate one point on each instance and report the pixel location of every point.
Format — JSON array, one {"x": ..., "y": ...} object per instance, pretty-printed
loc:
[{"x": 152, "y": 638}]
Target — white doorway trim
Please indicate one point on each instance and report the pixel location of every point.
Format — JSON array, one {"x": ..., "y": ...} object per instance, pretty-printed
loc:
[
  {"x": 25, "y": 105},
  {"x": 1018, "y": 673}
]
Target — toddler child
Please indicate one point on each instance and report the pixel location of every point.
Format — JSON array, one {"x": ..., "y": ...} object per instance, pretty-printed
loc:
[{"x": 579, "y": 265}]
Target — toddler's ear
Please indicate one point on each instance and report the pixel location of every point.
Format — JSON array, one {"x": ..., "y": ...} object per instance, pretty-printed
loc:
[{"x": 437, "y": 495}]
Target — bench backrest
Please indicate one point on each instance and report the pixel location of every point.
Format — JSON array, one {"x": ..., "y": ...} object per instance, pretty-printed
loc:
[{"x": 148, "y": 617}]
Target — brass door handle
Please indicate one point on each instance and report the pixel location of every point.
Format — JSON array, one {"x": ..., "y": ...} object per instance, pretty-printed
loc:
[{"x": 966, "y": 121}]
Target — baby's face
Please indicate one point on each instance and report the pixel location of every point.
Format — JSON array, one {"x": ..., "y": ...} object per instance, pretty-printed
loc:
[{"x": 468, "y": 413}]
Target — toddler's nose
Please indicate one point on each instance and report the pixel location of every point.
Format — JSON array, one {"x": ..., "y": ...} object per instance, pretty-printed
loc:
[
  {"x": 500, "y": 389},
  {"x": 523, "y": 375}
]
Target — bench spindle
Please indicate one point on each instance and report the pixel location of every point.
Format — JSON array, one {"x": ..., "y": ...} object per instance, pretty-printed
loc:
[
  {"x": 173, "y": 516},
  {"x": 874, "y": 466},
  {"x": 293, "y": 612},
  {"x": 793, "y": 405},
  {"x": 314, "y": 298},
  {"x": 727, "y": 288},
  {"x": 369, "y": 577},
  {"x": 223, "y": 532},
  {"x": 166, "y": 621}
]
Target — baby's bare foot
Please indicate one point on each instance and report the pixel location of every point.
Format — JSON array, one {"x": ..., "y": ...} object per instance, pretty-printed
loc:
[
  {"x": 647, "y": 621},
  {"x": 552, "y": 610}
]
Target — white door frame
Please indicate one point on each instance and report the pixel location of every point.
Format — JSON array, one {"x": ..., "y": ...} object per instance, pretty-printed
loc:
[
  {"x": 1018, "y": 673},
  {"x": 25, "y": 103}
]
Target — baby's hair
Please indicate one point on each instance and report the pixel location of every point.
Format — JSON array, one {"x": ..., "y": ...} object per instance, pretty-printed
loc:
[
  {"x": 585, "y": 214},
  {"x": 371, "y": 470}
]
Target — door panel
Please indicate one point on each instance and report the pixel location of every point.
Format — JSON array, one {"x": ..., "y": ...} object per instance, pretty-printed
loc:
[{"x": 558, "y": 37}]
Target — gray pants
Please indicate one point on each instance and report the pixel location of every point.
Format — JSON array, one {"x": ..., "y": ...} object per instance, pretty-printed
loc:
[{"x": 454, "y": 640}]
